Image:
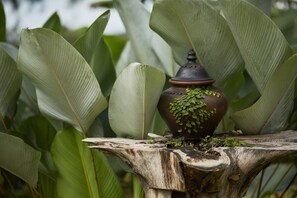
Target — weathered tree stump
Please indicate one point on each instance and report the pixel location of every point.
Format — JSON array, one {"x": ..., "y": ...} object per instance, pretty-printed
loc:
[{"x": 188, "y": 172}]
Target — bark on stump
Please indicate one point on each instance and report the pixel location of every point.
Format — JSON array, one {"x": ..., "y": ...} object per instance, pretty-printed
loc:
[{"x": 187, "y": 172}]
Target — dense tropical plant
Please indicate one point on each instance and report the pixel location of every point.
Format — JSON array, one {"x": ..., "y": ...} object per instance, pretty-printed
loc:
[
  {"x": 61, "y": 86},
  {"x": 68, "y": 101}
]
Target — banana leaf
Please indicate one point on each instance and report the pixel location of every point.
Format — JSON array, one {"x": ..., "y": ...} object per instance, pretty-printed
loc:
[
  {"x": 19, "y": 158},
  {"x": 261, "y": 43},
  {"x": 187, "y": 24},
  {"x": 127, "y": 56},
  {"x": 116, "y": 44},
  {"x": 88, "y": 43},
  {"x": 103, "y": 67},
  {"x": 134, "y": 99},
  {"x": 271, "y": 112},
  {"x": 147, "y": 47},
  {"x": 10, "y": 79},
  {"x": 82, "y": 172},
  {"x": 54, "y": 23},
  {"x": 275, "y": 178},
  {"x": 66, "y": 86}
]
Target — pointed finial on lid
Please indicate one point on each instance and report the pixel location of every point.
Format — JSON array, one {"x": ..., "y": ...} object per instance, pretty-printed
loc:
[
  {"x": 191, "y": 73},
  {"x": 192, "y": 56}
]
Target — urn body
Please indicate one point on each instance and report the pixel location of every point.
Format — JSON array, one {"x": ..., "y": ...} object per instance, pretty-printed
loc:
[{"x": 192, "y": 111}]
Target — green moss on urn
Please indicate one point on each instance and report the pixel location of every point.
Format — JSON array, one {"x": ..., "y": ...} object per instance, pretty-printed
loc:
[{"x": 190, "y": 108}]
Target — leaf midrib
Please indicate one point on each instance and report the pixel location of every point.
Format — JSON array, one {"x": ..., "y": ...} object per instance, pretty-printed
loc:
[{"x": 143, "y": 104}]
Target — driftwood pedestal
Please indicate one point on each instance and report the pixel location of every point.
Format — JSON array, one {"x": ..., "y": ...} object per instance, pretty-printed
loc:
[{"x": 187, "y": 172}]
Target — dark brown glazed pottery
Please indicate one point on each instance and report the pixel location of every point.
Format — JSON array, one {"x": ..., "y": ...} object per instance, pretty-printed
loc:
[{"x": 192, "y": 107}]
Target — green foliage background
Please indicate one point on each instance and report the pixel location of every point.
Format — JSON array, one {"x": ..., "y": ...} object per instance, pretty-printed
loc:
[{"x": 58, "y": 86}]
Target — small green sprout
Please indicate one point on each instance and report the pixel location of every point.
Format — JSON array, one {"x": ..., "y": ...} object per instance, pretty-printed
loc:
[
  {"x": 151, "y": 142},
  {"x": 210, "y": 142}
]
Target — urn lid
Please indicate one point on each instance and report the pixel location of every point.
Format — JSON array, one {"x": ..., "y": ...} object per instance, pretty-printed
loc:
[{"x": 191, "y": 73}]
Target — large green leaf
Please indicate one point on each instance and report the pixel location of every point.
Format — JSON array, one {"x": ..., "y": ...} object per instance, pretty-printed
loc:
[
  {"x": 262, "y": 45},
  {"x": 2, "y": 23},
  {"x": 187, "y": 24},
  {"x": 272, "y": 110},
  {"x": 137, "y": 29},
  {"x": 165, "y": 55},
  {"x": 38, "y": 132},
  {"x": 54, "y": 23},
  {"x": 66, "y": 86},
  {"x": 19, "y": 158},
  {"x": 142, "y": 38},
  {"x": 94, "y": 49},
  {"x": 127, "y": 57},
  {"x": 134, "y": 99},
  {"x": 116, "y": 44},
  {"x": 82, "y": 172},
  {"x": 10, "y": 81},
  {"x": 87, "y": 44},
  {"x": 103, "y": 67}
]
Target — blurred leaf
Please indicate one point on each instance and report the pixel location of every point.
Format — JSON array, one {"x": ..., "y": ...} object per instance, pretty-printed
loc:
[
  {"x": 87, "y": 44},
  {"x": 285, "y": 20},
  {"x": 11, "y": 50},
  {"x": 159, "y": 126},
  {"x": 73, "y": 35},
  {"x": 10, "y": 82},
  {"x": 262, "y": 45},
  {"x": 276, "y": 177},
  {"x": 116, "y": 44},
  {"x": 137, "y": 29},
  {"x": 165, "y": 54},
  {"x": 82, "y": 172},
  {"x": 127, "y": 57},
  {"x": 96, "y": 129},
  {"x": 273, "y": 108},
  {"x": 233, "y": 85},
  {"x": 247, "y": 96},
  {"x": 188, "y": 29},
  {"x": 66, "y": 87},
  {"x": 28, "y": 95},
  {"x": 108, "y": 132},
  {"x": 102, "y": 3},
  {"x": 137, "y": 188},
  {"x": 38, "y": 132},
  {"x": 141, "y": 37},
  {"x": 103, "y": 68},
  {"x": 264, "y": 5},
  {"x": 134, "y": 99},
  {"x": 19, "y": 158},
  {"x": 2, "y": 23},
  {"x": 54, "y": 23},
  {"x": 47, "y": 186}
]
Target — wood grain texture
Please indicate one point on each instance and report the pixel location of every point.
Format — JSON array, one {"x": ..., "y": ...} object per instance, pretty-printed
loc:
[{"x": 188, "y": 172}]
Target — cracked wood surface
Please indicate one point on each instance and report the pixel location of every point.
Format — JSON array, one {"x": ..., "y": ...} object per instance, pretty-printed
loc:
[{"x": 188, "y": 172}]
